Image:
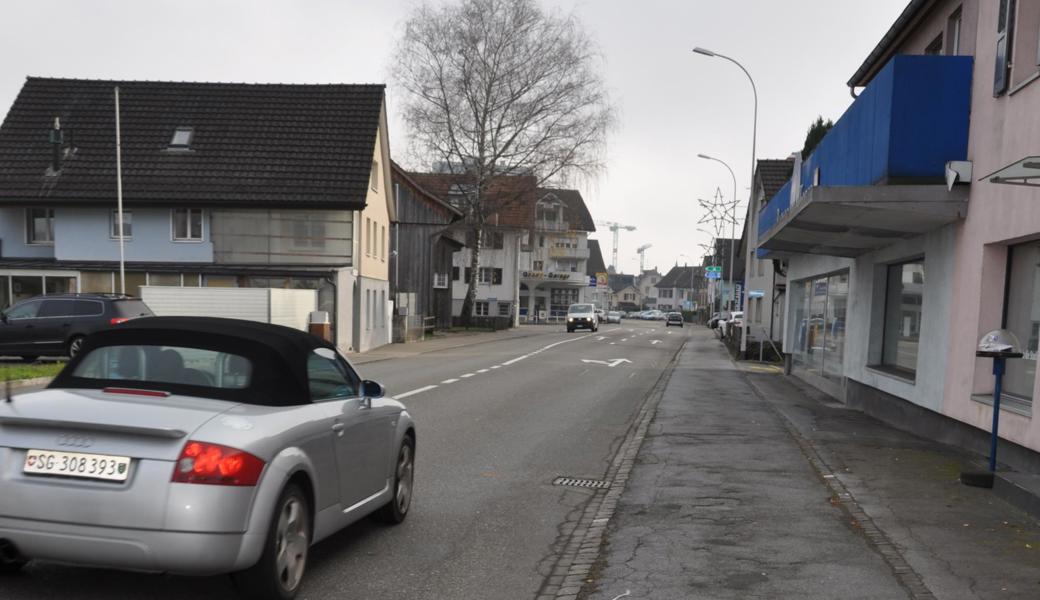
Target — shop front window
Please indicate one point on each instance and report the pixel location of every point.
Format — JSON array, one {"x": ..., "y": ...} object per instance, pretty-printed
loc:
[
  {"x": 1023, "y": 318},
  {"x": 819, "y": 307},
  {"x": 904, "y": 300}
]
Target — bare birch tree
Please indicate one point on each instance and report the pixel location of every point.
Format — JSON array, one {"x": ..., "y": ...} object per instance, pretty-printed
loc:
[{"x": 500, "y": 87}]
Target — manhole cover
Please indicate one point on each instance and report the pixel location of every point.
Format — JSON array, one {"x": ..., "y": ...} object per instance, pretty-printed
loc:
[{"x": 582, "y": 483}]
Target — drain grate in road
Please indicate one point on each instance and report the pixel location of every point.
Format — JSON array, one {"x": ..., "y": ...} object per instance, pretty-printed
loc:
[{"x": 594, "y": 484}]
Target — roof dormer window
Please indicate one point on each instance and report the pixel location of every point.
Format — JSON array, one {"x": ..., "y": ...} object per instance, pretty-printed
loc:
[{"x": 182, "y": 137}]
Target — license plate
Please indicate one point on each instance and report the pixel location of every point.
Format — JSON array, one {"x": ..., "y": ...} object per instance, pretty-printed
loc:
[{"x": 76, "y": 464}]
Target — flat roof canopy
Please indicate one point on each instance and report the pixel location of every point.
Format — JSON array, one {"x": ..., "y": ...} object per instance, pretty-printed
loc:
[
  {"x": 850, "y": 221},
  {"x": 1023, "y": 172}
]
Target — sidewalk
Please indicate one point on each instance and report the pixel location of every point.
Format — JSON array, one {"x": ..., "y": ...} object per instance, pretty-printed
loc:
[
  {"x": 751, "y": 486},
  {"x": 444, "y": 340}
]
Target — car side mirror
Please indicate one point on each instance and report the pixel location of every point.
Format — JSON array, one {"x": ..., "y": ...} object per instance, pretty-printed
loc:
[{"x": 372, "y": 389}]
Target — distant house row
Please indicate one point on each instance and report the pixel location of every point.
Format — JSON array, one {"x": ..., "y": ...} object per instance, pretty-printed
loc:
[{"x": 267, "y": 186}]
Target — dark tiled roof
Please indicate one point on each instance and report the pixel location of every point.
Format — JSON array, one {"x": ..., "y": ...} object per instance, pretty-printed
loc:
[
  {"x": 575, "y": 212},
  {"x": 684, "y": 277},
  {"x": 510, "y": 198},
  {"x": 595, "y": 263},
  {"x": 254, "y": 144},
  {"x": 620, "y": 281},
  {"x": 402, "y": 176},
  {"x": 774, "y": 173}
]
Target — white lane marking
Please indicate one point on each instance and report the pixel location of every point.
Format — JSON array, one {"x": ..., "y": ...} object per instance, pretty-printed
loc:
[
  {"x": 600, "y": 338},
  {"x": 483, "y": 370},
  {"x": 624, "y": 339},
  {"x": 613, "y": 343},
  {"x": 652, "y": 342},
  {"x": 583, "y": 372},
  {"x": 415, "y": 391},
  {"x": 631, "y": 375},
  {"x": 496, "y": 366},
  {"x": 610, "y": 363},
  {"x": 446, "y": 381},
  {"x": 517, "y": 359},
  {"x": 669, "y": 332},
  {"x": 465, "y": 375}
]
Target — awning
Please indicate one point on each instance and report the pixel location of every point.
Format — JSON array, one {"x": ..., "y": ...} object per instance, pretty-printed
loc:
[
  {"x": 853, "y": 220},
  {"x": 1023, "y": 172}
]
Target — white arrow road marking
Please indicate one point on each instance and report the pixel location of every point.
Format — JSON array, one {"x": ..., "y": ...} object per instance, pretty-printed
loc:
[
  {"x": 652, "y": 342},
  {"x": 415, "y": 391},
  {"x": 610, "y": 363}
]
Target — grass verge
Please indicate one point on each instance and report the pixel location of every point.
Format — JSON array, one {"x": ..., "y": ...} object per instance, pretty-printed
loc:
[{"x": 10, "y": 372}]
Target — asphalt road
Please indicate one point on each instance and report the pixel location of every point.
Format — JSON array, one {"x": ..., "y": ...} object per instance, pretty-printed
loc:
[{"x": 497, "y": 423}]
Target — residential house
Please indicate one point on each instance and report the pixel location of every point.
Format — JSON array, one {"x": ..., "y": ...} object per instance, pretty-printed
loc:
[
  {"x": 764, "y": 284},
  {"x": 224, "y": 185},
  {"x": 678, "y": 289},
  {"x": 624, "y": 295},
  {"x": 905, "y": 247},
  {"x": 646, "y": 282},
  {"x": 421, "y": 258},
  {"x": 534, "y": 249}
]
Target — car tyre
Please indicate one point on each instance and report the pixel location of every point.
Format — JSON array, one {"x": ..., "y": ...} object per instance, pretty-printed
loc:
[
  {"x": 10, "y": 561},
  {"x": 396, "y": 510},
  {"x": 278, "y": 573},
  {"x": 570, "y": 330},
  {"x": 75, "y": 345}
]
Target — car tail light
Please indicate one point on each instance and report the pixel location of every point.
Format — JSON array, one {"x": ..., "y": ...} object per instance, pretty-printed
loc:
[
  {"x": 117, "y": 320},
  {"x": 213, "y": 464}
]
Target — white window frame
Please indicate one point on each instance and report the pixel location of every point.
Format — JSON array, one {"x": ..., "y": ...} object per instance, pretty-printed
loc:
[
  {"x": 477, "y": 308},
  {"x": 29, "y": 241},
  {"x": 187, "y": 240},
  {"x": 127, "y": 215},
  {"x": 440, "y": 281}
]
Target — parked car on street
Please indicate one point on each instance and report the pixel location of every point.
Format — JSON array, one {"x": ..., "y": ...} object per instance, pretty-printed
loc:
[
  {"x": 582, "y": 316},
  {"x": 601, "y": 316},
  {"x": 713, "y": 322},
  {"x": 732, "y": 324},
  {"x": 200, "y": 446},
  {"x": 674, "y": 318},
  {"x": 57, "y": 324},
  {"x": 613, "y": 317}
]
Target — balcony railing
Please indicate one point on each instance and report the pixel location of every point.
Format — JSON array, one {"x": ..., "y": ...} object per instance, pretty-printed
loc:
[
  {"x": 574, "y": 253},
  {"x": 902, "y": 130},
  {"x": 542, "y": 225}
]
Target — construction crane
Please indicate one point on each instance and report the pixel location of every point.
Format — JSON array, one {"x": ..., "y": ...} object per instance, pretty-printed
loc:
[
  {"x": 615, "y": 227},
  {"x": 641, "y": 251}
]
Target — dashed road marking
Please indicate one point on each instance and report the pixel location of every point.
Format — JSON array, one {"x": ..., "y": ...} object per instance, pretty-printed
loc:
[
  {"x": 446, "y": 381},
  {"x": 465, "y": 375},
  {"x": 496, "y": 366},
  {"x": 415, "y": 391},
  {"x": 483, "y": 370}
]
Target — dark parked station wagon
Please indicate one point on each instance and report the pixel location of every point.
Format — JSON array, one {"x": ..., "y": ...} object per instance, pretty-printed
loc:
[{"x": 55, "y": 325}]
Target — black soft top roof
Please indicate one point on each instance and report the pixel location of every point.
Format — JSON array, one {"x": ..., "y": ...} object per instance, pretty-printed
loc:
[{"x": 278, "y": 355}]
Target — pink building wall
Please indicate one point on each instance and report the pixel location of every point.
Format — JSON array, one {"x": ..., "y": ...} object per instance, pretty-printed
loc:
[{"x": 1003, "y": 130}]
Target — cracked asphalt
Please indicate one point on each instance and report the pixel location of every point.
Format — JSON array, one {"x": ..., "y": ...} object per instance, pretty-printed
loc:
[{"x": 724, "y": 502}]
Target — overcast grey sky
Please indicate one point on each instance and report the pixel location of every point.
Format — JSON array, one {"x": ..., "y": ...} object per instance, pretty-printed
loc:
[{"x": 674, "y": 104}]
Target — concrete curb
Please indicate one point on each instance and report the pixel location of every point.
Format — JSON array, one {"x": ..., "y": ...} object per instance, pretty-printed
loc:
[{"x": 1016, "y": 495}]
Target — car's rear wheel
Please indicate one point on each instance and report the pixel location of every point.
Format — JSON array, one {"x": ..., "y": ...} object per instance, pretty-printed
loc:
[
  {"x": 11, "y": 561},
  {"x": 75, "y": 345},
  {"x": 396, "y": 510},
  {"x": 278, "y": 573}
]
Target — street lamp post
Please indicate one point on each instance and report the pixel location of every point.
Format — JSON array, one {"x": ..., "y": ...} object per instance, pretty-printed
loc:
[
  {"x": 733, "y": 227},
  {"x": 754, "y": 135}
]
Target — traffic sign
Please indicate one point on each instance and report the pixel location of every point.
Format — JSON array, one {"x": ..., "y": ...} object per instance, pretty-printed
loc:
[
  {"x": 713, "y": 275},
  {"x": 711, "y": 269}
]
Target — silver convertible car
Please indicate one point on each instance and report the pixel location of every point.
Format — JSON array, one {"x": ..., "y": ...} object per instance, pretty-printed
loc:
[{"x": 199, "y": 446}]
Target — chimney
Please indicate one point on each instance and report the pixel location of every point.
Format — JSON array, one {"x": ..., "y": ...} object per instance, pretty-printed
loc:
[{"x": 56, "y": 140}]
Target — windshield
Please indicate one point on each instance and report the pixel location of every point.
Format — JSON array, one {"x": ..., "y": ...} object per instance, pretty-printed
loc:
[
  {"x": 581, "y": 308},
  {"x": 166, "y": 364}
]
